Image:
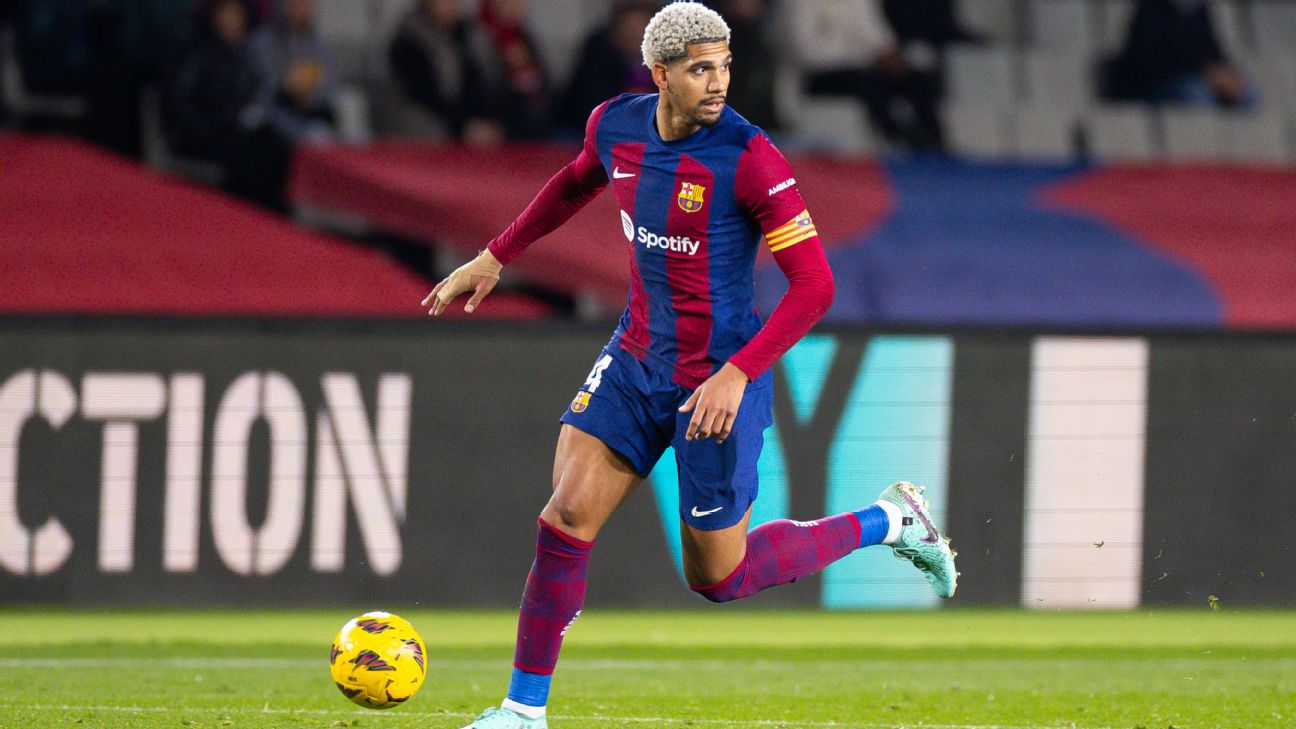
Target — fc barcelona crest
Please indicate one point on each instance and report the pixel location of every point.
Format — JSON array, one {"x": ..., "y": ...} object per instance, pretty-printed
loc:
[
  {"x": 691, "y": 197},
  {"x": 580, "y": 402}
]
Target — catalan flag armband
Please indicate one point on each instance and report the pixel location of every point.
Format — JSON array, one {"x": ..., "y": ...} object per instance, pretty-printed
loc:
[{"x": 791, "y": 233}]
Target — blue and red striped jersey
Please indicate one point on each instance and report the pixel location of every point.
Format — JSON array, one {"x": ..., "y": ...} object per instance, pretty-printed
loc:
[{"x": 693, "y": 211}]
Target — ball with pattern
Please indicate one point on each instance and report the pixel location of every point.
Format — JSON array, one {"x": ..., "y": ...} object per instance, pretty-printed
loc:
[{"x": 378, "y": 660}]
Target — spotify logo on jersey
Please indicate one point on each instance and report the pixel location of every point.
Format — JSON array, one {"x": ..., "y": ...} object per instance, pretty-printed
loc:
[{"x": 676, "y": 243}]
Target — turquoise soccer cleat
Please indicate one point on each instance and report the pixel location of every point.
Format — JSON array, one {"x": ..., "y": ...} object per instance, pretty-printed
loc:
[
  {"x": 919, "y": 541},
  {"x": 498, "y": 717}
]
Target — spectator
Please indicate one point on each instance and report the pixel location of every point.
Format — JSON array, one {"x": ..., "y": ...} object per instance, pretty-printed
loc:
[
  {"x": 525, "y": 81},
  {"x": 929, "y": 23},
  {"x": 610, "y": 63},
  {"x": 53, "y": 47},
  {"x": 448, "y": 75},
  {"x": 751, "y": 90},
  {"x": 216, "y": 112},
  {"x": 924, "y": 29},
  {"x": 102, "y": 54},
  {"x": 1172, "y": 54},
  {"x": 296, "y": 74},
  {"x": 846, "y": 48},
  {"x": 132, "y": 42}
]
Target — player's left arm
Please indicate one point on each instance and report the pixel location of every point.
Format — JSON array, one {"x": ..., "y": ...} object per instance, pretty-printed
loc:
[{"x": 766, "y": 188}]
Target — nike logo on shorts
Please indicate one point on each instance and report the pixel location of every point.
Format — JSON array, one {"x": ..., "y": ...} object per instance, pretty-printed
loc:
[{"x": 697, "y": 513}]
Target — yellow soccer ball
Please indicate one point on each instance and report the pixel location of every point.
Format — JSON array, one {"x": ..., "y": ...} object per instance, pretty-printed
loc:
[{"x": 378, "y": 660}]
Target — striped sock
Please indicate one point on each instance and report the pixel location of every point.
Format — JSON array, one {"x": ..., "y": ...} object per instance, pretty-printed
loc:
[
  {"x": 554, "y": 596},
  {"x": 784, "y": 551}
]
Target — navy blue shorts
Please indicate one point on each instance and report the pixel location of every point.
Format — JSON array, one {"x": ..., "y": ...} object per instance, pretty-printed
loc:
[{"x": 635, "y": 411}]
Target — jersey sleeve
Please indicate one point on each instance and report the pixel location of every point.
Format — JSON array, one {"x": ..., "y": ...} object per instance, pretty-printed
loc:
[
  {"x": 767, "y": 190},
  {"x": 571, "y": 189},
  {"x": 765, "y": 187}
]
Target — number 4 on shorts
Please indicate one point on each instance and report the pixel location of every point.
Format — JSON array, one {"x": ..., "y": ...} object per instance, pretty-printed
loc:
[{"x": 596, "y": 375}]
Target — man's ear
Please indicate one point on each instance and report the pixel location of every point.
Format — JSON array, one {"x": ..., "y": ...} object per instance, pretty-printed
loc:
[{"x": 659, "y": 75}]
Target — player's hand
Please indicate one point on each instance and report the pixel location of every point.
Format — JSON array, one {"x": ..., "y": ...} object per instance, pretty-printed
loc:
[
  {"x": 478, "y": 276},
  {"x": 715, "y": 404}
]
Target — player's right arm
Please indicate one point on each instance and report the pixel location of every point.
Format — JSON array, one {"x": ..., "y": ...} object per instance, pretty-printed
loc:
[{"x": 563, "y": 196}]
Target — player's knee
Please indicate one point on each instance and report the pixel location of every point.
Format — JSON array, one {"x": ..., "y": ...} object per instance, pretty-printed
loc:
[
  {"x": 569, "y": 515},
  {"x": 714, "y": 595},
  {"x": 724, "y": 588},
  {"x": 722, "y": 592}
]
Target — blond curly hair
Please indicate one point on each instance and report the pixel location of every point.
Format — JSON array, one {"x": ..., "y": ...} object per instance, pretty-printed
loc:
[{"x": 679, "y": 25}]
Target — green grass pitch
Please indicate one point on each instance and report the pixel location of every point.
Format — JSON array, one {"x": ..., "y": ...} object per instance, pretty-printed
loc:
[{"x": 711, "y": 668}]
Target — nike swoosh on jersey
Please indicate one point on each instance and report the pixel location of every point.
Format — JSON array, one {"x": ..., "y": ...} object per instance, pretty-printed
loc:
[
  {"x": 697, "y": 513},
  {"x": 617, "y": 174}
]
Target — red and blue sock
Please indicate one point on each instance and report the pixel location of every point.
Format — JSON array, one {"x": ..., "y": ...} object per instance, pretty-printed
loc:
[
  {"x": 777, "y": 552},
  {"x": 554, "y": 596},
  {"x": 784, "y": 551}
]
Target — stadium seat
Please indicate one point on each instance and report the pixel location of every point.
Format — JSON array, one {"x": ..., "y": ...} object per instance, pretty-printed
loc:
[
  {"x": 1113, "y": 24},
  {"x": 1192, "y": 134},
  {"x": 14, "y": 93},
  {"x": 347, "y": 30},
  {"x": 1043, "y": 132},
  {"x": 977, "y": 130},
  {"x": 1255, "y": 137},
  {"x": 1274, "y": 24},
  {"x": 389, "y": 14},
  {"x": 1274, "y": 78},
  {"x": 559, "y": 38},
  {"x": 834, "y": 124},
  {"x": 157, "y": 151},
  {"x": 995, "y": 19},
  {"x": 1121, "y": 131},
  {"x": 352, "y": 112},
  {"x": 981, "y": 75},
  {"x": 1063, "y": 27},
  {"x": 1065, "y": 81},
  {"x": 788, "y": 94},
  {"x": 1229, "y": 26}
]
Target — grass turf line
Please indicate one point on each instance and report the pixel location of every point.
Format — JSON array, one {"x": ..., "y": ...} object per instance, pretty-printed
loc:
[{"x": 711, "y": 667}]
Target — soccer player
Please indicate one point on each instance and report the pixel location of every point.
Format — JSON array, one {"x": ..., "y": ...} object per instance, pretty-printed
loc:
[{"x": 688, "y": 366}]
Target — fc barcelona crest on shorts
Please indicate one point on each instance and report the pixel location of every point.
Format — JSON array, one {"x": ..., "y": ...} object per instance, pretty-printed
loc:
[
  {"x": 580, "y": 402},
  {"x": 691, "y": 197}
]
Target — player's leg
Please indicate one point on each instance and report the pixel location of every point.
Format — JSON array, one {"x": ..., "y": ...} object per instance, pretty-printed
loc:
[
  {"x": 732, "y": 563},
  {"x": 590, "y": 481},
  {"x": 723, "y": 561},
  {"x": 718, "y": 483},
  {"x": 608, "y": 440},
  {"x": 710, "y": 556}
]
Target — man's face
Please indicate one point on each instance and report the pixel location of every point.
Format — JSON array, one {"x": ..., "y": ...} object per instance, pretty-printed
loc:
[
  {"x": 230, "y": 22},
  {"x": 698, "y": 83}
]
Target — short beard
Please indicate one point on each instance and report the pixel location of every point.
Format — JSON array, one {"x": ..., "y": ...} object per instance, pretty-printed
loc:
[
  {"x": 695, "y": 117},
  {"x": 709, "y": 123},
  {"x": 705, "y": 123}
]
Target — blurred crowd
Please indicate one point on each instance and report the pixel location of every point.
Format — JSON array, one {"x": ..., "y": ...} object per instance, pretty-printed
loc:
[{"x": 241, "y": 82}]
